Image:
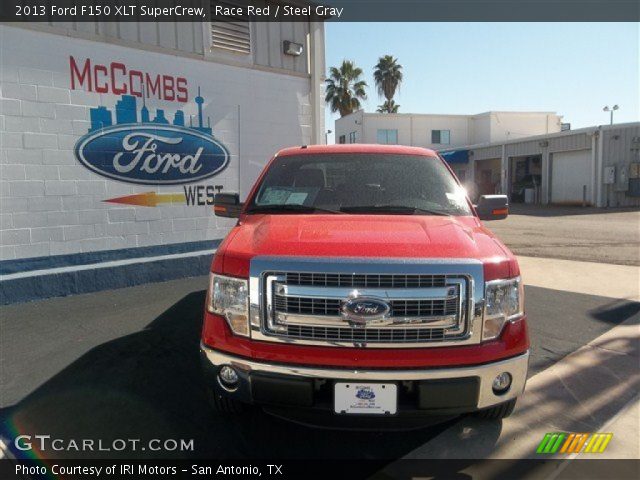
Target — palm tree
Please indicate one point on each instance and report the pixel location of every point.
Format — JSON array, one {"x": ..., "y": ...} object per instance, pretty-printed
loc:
[
  {"x": 389, "y": 106},
  {"x": 344, "y": 88},
  {"x": 387, "y": 75}
]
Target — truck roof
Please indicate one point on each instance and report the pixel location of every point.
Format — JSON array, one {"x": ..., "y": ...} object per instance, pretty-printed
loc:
[{"x": 355, "y": 148}]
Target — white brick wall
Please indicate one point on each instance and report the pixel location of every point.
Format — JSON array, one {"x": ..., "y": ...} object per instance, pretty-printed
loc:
[
  {"x": 19, "y": 91},
  {"x": 50, "y": 204},
  {"x": 53, "y": 95},
  {"x": 40, "y": 141},
  {"x": 10, "y": 106}
]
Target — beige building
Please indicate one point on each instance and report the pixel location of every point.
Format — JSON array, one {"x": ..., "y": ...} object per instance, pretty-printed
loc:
[
  {"x": 597, "y": 166},
  {"x": 440, "y": 132},
  {"x": 530, "y": 156},
  {"x": 443, "y": 131}
]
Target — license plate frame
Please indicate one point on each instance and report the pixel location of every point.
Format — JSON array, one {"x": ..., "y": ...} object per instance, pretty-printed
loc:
[{"x": 365, "y": 398}]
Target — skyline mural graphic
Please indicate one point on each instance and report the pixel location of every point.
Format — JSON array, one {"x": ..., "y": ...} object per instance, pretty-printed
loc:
[
  {"x": 131, "y": 143},
  {"x": 126, "y": 112}
]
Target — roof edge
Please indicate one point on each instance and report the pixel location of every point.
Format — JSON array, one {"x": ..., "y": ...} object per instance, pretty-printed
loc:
[
  {"x": 355, "y": 148},
  {"x": 533, "y": 138}
]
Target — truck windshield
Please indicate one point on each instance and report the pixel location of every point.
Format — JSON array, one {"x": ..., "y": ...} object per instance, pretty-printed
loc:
[{"x": 359, "y": 184}]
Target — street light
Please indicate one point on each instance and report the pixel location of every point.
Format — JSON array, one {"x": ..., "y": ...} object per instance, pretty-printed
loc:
[
  {"x": 326, "y": 137},
  {"x": 612, "y": 109}
]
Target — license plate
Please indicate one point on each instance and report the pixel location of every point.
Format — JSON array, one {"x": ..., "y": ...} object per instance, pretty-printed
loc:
[{"x": 366, "y": 398}]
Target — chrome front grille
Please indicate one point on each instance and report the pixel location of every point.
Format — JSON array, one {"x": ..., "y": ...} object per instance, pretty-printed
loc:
[
  {"x": 424, "y": 308},
  {"x": 365, "y": 280},
  {"x": 399, "y": 308},
  {"x": 305, "y": 300},
  {"x": 308, "y": 306}
]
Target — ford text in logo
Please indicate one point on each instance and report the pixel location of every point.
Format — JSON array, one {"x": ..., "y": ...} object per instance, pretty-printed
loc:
[
  {"x": 362, "y": 310},
  {"x": 150, "y": 151},
  {"x": 159, "y": 156}
]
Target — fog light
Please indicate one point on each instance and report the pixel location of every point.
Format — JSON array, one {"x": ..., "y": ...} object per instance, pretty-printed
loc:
[
  {"x": 501, "y": 383},
  {"x": 228, "y": 378}
]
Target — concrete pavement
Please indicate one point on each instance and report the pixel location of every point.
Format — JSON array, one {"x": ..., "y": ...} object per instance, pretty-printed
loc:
[
  {"x": 593, "y": 389},
  {"x": 626, "y": 424},
  {"x": 124, "y": 362},
  {"x": 602, "y": 279},
  {"x": 572, "y": 233},
  {"x": 580, "y": 393}
]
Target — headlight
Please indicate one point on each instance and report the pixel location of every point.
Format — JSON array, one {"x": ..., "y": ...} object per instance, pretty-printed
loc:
[
  {"x": 504, "y": 301},
  {"x": 229, "y": 297}
]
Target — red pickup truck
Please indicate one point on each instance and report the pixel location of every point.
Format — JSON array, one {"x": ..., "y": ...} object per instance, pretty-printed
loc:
[{"x": 360, "y": 283}]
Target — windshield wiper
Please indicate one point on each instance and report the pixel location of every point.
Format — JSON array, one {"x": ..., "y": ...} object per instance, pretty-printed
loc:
[
  {"x": 399, "y": 209},
  {"x": 288, "y": 208}
]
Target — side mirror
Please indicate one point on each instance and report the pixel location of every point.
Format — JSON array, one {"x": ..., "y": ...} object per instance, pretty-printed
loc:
[
  {"x": 227, "y": 205},
  {"x": 493, "y": 207}
]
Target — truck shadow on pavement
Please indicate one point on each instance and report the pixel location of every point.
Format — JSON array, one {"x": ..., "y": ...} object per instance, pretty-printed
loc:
[
  {"x": 561, "y": 322},
  {"x": 616, "y": 310},
  {"x": 148, "y": 385}
]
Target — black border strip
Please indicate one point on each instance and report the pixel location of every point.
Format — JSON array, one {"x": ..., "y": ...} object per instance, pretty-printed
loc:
[
  {"x": 352, "y": 11},
  {"x": 356, "y": 469}
]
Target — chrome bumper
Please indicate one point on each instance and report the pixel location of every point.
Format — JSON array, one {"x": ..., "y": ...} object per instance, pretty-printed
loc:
[{"x": 516, "y": 366}]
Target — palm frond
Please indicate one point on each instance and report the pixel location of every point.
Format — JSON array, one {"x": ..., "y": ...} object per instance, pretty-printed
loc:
[
  {"x": 389, "y": 106},
  {"x": 387, "y": 76},
  {"x": 344, "y": 88}
]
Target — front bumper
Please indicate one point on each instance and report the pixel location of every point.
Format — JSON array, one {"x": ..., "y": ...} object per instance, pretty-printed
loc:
[{"x": 450, "y": 390}]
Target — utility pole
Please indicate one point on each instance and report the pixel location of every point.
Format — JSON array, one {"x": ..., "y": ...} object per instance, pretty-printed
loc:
[
  {"x": 326, "y": 137},
  {"x": 612, "y": 109}
]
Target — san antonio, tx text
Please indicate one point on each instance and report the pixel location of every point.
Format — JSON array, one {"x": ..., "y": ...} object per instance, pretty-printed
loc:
[{"x": 125, "y": 469}]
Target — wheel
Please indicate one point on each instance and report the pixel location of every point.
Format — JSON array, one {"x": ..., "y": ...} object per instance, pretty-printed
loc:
[
  {"x": 224, "y": 405},
  {"x": 499, "y": 411}
]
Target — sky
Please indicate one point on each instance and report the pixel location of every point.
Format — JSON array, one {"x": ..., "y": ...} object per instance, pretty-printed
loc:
[{"x": 574, "y": 69}]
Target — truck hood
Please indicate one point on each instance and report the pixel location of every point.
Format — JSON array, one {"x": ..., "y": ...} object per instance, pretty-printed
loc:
[{"x": 364, "y": 236}]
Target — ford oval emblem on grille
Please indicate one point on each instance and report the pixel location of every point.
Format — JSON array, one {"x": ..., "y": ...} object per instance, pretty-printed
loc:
[{"x": 363, "y": 310}]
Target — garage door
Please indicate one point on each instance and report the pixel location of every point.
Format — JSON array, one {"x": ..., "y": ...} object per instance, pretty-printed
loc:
[{"x": 569, "y": 172}]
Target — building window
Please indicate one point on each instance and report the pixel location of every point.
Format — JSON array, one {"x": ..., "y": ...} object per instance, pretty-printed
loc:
[
  {"x": 230, "y": 32},
  {"x": 441, "y": 137},
  {"x": 387, "y": 136},
  {"x": 341, "y": 139},
  {"x": 352, "y": 137}
]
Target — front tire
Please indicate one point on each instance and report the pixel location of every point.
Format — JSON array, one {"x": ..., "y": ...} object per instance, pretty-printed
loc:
[
  {"x": 224, "y": 405},
  {"x": 499, "y": 411}
]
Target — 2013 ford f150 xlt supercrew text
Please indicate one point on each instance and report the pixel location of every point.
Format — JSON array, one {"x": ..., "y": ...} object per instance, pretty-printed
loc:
[{"x": 360, "y": 283}]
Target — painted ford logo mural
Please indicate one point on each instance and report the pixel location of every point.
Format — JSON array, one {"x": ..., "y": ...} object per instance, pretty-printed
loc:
[
  {"x": 150, "y": 151},
  {"x": 365, "y": 309}
]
